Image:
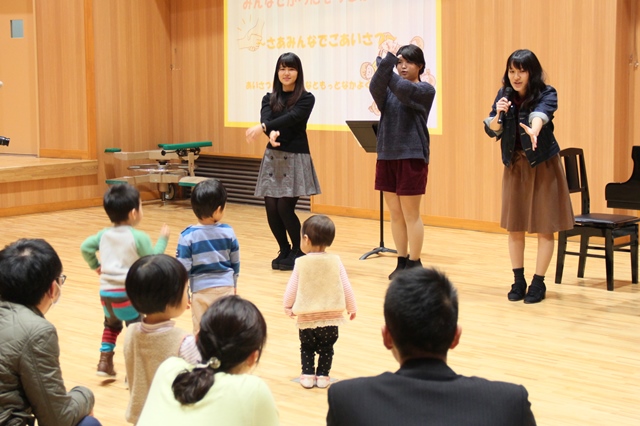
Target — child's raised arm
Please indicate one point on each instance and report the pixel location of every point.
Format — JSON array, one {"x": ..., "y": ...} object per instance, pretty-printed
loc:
[
  {"x": 143, "y": 243},
  {"x": 164, "y": 231}
]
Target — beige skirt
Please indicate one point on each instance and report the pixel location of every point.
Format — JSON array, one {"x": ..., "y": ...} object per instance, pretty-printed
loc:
[{"x": 535, "y": 200}]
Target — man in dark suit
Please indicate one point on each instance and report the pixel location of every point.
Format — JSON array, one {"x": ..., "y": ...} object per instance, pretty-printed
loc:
[{"x": 421, "y": 325}]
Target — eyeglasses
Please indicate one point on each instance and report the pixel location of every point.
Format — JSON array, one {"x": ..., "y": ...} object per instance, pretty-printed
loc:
[{"x": 61, "y": 279}]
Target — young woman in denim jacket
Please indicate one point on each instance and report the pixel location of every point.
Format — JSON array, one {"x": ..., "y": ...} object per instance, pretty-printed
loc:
[{"x": 535, "y": 196}]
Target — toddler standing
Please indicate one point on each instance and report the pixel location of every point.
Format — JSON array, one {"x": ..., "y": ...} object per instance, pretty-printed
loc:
[
  {"x": 317, "y": 293},
  {"x": 209, "y": 250},
  {"x": 119, "y": 245}
]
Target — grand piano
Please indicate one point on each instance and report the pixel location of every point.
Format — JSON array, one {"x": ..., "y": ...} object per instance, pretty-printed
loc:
[{"x": 626, "y": 195}]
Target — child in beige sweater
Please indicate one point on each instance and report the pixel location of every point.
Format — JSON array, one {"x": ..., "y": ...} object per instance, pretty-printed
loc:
[{"x": 157, "y": 287}]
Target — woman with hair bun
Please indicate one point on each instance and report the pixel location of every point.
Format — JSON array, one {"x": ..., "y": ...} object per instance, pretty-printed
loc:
[{"x": 219, "y": 391}]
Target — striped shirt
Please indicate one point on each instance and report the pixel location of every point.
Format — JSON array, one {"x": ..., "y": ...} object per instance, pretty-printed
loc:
[{"x": 211, "y": 255}]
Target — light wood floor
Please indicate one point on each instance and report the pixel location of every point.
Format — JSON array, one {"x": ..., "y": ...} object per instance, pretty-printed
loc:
[{"x": 577, "y": 353}]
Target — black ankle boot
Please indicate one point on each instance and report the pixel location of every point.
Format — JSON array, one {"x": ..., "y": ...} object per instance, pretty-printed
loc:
[
  {"x": 517, "y": 292},
  {"x": 402, "y": 263},
  {"x": 537, "y": 290},
  {"x": 519, "y": 286},
  {"x": 282, "y": 254},
  {"x": 288, "y": 262}
]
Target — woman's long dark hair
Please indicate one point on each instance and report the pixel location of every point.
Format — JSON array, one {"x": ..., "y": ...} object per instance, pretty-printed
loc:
[
  {"x": 526, "y": 60},
  {"x": 277, "y": 100},
  {"x": 230, "y": 331}
]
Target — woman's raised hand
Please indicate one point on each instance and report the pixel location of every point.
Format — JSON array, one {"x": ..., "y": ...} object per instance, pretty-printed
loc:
[{"x": 503, "y": 105}]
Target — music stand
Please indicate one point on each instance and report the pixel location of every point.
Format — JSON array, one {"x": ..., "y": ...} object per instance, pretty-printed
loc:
[{"x": 365, "y": 133}]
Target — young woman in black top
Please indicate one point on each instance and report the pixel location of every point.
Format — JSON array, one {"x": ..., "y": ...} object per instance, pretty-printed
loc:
[{"x": 287, "y": 171}]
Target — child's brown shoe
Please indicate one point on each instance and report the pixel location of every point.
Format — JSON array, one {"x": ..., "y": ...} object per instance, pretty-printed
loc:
[{"x": 105, "y": 365}]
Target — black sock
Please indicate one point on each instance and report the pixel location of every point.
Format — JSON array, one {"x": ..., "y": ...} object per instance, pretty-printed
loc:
[
  {"x": 518, "y": 276},
  {"x": 538, "y": 279}
]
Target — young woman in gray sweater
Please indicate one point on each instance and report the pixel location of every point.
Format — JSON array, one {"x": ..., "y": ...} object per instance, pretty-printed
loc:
[{"x": 402, "y": 167}]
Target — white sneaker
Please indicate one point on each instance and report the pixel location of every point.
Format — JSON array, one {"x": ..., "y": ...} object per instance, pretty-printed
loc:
[
  {"x": 323, "y": 381},
  {"x": 307, "y": 381}
]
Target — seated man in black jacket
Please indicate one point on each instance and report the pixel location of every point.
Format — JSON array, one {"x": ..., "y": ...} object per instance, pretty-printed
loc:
[{"x": 421, "y": 325}]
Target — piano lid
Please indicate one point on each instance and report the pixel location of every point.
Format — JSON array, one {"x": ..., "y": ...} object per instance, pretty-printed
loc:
[{"x": 626, "y": 195}]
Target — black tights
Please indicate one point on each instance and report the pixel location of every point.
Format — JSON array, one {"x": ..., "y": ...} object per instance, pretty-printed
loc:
[{"x": 281, "y": 215}]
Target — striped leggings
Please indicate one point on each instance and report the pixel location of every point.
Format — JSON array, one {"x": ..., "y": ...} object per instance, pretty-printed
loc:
[{"x": 117, "y": 308}]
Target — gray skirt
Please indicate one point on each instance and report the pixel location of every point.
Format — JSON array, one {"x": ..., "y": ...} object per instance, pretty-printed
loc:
[
  {"x": 535, "y": 200},
  {"x": 286, "y": 174}
]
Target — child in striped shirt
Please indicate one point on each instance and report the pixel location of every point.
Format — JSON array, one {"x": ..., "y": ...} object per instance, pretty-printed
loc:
[{"x": 209, "y": 250}]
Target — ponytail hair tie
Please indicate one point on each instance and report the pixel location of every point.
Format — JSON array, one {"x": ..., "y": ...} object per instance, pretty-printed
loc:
[{"x": 213, "y": 363}]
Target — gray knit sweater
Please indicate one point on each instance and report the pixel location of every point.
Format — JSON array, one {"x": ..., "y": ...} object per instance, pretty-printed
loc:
[{"x": 404, "y": 108}]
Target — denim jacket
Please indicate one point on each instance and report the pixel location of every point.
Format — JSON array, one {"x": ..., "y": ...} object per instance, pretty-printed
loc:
[{"x": 547, "y": 144}]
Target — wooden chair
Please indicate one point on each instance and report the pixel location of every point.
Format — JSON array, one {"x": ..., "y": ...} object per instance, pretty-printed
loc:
[{"x": 587, "y": 224}]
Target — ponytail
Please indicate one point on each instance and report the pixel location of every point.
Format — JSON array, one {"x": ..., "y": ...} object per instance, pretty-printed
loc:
[{"x": 190, "y": 387}]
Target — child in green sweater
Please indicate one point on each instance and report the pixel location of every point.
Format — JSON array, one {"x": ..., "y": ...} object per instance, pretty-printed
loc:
[{"x": 119, "y": 245}]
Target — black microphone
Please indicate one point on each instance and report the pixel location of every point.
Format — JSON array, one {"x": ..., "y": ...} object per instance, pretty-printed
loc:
[{"x": 508, "y": 91}]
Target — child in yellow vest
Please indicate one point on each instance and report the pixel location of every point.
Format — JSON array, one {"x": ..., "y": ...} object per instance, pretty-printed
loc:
[{"x": 317, "y": 293}]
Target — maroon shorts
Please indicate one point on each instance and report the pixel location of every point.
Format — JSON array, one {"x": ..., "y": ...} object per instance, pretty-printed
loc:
[{"x": 404, "y": 177}]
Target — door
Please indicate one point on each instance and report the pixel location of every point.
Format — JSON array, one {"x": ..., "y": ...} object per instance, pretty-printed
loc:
[{"x": 18, "y": 74}]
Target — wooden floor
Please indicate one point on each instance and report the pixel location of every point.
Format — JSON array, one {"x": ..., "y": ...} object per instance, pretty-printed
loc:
[{"x": 577, "y": 353}]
